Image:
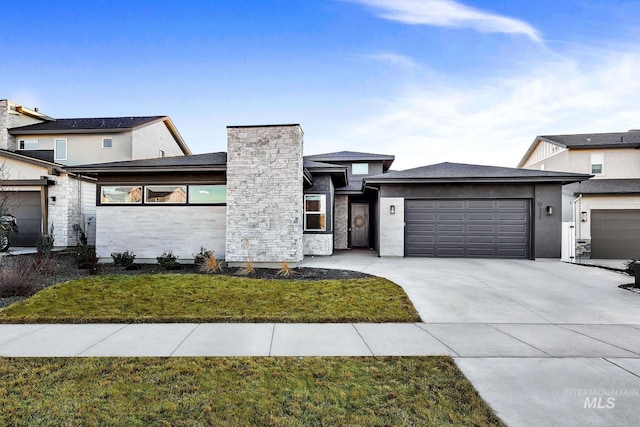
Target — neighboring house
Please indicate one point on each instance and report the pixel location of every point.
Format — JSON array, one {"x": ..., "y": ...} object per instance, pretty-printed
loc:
[
  {"x": 35, "y": 149},
  {"x": 606, "y": 208},
  {"x": 265, "y": 202}
]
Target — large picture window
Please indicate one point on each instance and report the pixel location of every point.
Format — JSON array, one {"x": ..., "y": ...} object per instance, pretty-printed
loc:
[
  {"x": 165, "y": 194},
  {"x": 122, "y": 194},
  {"x": 315, "y": 212},
  {"x": 207, "y": 194}
]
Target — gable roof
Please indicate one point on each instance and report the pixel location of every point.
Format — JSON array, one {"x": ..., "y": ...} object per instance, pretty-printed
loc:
[
  {"x": 461, "y": 173},
  {"x": 353, "y": 156},
  {"x": 630, "y": 139},
  {"x": 194, "y": 162},
  {"x": 605, "y": 186},
  {"x": 99, "y": 125}
]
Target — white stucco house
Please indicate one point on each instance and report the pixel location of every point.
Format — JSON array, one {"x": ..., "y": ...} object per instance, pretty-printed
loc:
[
  {"x": 606, "y": 208},
  {"x": 35, "y": 150}
]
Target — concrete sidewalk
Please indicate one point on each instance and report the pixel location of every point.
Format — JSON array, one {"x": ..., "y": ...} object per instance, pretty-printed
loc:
[{"x": 322, "y": 339}]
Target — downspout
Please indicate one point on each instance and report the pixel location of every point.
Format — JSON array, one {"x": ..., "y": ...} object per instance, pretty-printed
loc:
[{"x": 577, "y": 224}]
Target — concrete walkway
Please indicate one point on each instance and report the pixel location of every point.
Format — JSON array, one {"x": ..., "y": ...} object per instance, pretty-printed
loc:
[{"x": 545, "y": 343}]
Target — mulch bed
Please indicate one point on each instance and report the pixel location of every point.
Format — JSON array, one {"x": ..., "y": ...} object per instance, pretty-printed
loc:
[{"x": 67, "y": 270}]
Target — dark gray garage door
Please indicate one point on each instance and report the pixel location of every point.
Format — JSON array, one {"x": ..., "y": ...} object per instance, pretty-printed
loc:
[
  {"x": 25, "y": 206},
  {"x": 615, "y": 234},
  {"x": 467, "y": 228}
]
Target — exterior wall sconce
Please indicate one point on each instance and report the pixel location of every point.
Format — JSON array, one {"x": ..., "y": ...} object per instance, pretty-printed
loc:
[
  {"x": 392, "y": 209},
  {"x": 549, "y": 210},
  {"x": 53, "y": 199},
  {"x": 583, "y": 217}
]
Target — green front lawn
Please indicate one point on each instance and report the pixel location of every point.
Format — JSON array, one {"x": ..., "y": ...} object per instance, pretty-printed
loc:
[
  {"x": 426, "y": 391},
  {"x": 213, "y": 298}
]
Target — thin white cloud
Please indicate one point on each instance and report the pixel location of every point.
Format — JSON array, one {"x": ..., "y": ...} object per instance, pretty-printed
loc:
[
  {"x": 394, "y": 59},
  {"x": 492, "y": 121},
  {"x": 448, "y": 13}
]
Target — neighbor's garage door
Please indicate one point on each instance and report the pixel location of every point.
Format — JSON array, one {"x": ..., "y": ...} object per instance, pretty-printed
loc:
[
  {"x": 467, "y": 228},
  {"x": 25, "y": 206},
  {"x": 615, "y": 234}
]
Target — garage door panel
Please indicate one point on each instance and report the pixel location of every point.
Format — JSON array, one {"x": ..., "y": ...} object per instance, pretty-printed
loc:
[
  {"x": 450, "y": 204},
  {"x": 476, "y": 228},
  {"x": 450, "y": 216},
  {"x": 468, "y": 228},
  {"x": 512, "y": 204},
  {"x": 615, "y": 234},
  {"x": 475, "y": 216},
  {"x": 481, "y": 204},
  {"x": 25, "y": 206}
]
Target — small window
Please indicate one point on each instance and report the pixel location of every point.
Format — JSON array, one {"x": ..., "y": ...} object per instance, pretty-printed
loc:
[
  {"x": 165, "y": 194},
  {"x": 360, "y": 169},
  {"x": 315, "y": 212},
  {"x": 28, "y": 144},
  {"x": 597, "y": 163},
  {"x": 60, "y": 149},
  {"x": 121, "y": 195},
  {"x": 107, "y": 142},
  {"x": 207, "y": 194}
]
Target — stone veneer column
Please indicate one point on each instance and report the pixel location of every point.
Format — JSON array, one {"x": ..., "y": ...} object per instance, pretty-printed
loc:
[{"x": 264, "y": 195}]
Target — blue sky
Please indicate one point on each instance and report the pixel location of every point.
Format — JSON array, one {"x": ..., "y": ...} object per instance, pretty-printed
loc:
[{"x": 426, "y": 80}]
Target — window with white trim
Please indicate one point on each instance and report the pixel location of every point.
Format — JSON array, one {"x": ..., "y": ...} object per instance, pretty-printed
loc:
[
  {"x": 60, "y": 146},
  {"x": 360, "y": 169},
  {"x": 28, "y": 144},
  {"x": 107, "y": 142},
  {"x": 315, "y": 212},
  {"x": 597, "y": 163}
]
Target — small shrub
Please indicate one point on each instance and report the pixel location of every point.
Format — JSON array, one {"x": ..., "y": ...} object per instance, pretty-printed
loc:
[
  {"x": 169, "y": 261},
  {"x": 44, "y": 244},
  {"x": 247, "y": 269},
  {"x": 86, "y": 258},
  {"x": 201, "y": 257},
  {"x": 285, "y": 270},
  {"x": 21, "y": 276},
  {"x": 211, "y": 264},
  {"x": 123, "y": 259},
  {"x": 631, "y": 267}
]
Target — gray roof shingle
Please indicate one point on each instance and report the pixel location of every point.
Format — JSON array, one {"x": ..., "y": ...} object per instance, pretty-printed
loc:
[
  {"x": 605, "y": 186},
  {"x": 459, "y": 172},
  {"x": 111, "y": 124},
  {"x": 196, "y": 161},
  {"x": 596, "y": 140}
]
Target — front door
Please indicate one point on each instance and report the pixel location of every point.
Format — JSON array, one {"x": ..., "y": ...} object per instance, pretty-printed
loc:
[{"x": 360, "y": 225}]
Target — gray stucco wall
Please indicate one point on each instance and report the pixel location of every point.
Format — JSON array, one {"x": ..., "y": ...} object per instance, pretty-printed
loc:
[
  {"x": 548, "y": 228},
  {"x": 264, "y": 195}
]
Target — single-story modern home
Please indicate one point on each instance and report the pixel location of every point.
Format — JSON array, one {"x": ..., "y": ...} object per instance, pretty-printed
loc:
[{"x": 264, "y": 201}]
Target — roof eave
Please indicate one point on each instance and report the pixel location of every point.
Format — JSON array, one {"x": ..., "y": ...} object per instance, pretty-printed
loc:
[
  {"x": 501, "y": 180},
  {"x": 146, "y": 169},
  {"x": 67, "y": 131}
]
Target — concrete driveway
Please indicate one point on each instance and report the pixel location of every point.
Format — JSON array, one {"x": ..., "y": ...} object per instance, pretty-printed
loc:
[{"x": 544, "y": 342}]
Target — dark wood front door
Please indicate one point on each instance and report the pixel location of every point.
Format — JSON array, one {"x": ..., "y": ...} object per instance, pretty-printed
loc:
[{"x": 360, "y": 225}]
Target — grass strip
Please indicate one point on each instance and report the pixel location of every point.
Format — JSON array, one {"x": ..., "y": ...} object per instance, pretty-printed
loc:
[
  {"x": 204, "y": 298},
  {"x": 239, "y": 391}
]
